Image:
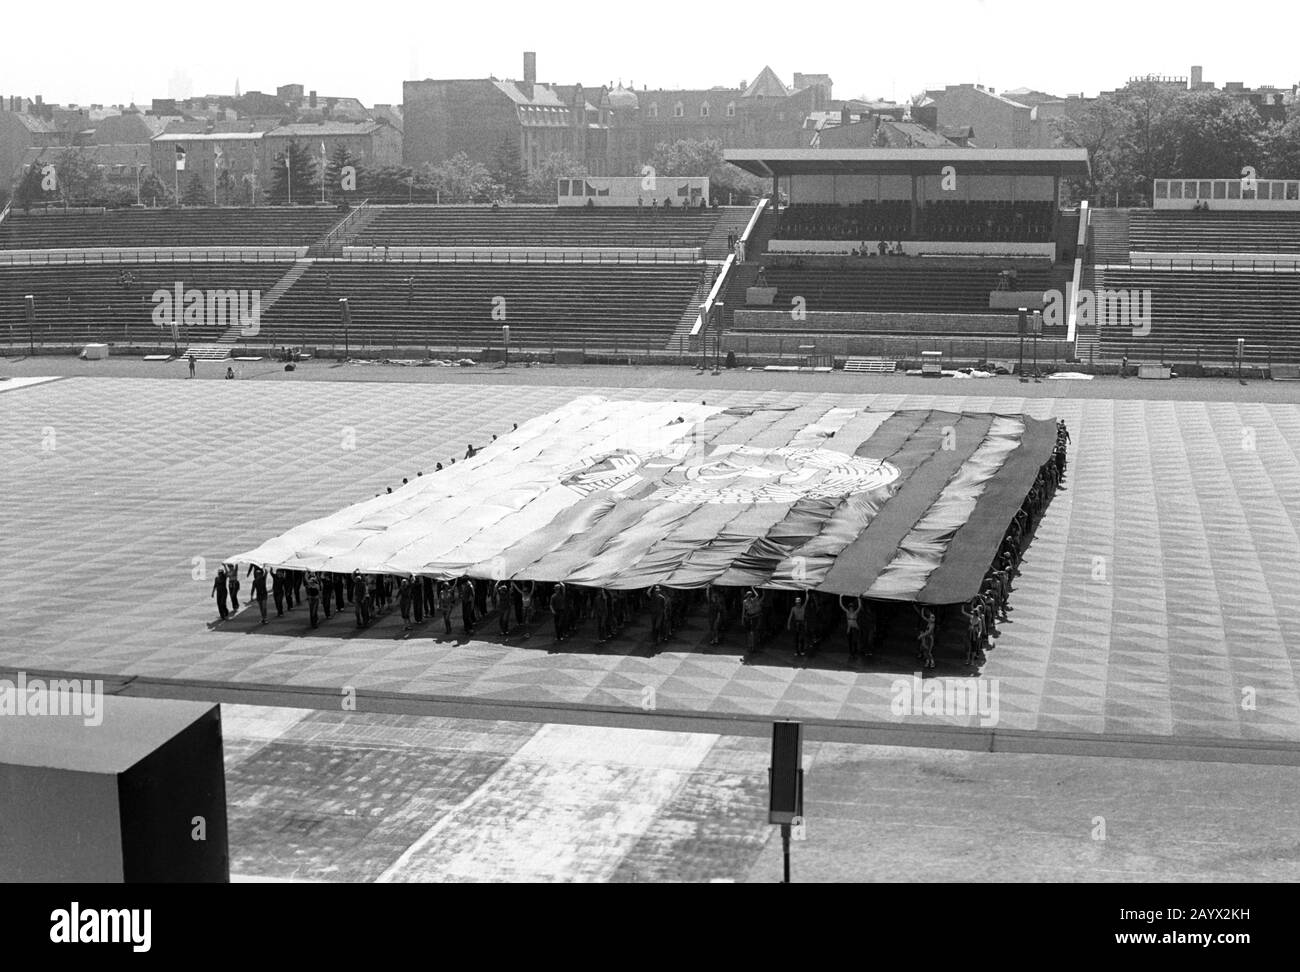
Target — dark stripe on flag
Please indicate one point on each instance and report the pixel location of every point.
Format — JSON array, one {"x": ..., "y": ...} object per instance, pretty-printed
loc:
[
  {"x": 927, "y": 467},
  {"x": 971, "y": 551}
]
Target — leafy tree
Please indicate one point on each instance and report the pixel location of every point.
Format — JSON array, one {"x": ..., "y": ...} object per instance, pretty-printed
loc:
[
  {"x": 79, "y": 179},
  {"x": 1148, "y": 130},
  {"x": 693, "y": 157},
  {"x": 297, "y": 181},
  {"x": 340, "y": 159},
  {"x": 1100, "y": 130},
  {"x": 154, "y": 191},
  {"x": 195, "y": 192},
  {"x": 1214, "y": 134},
  {"x": 29, "y": 191},
  {"x": 461, "y": 179},
  {"x": 227, "y": 186},
  {"x": 555, "y": 166},
  {"x": 1279, "y": 148},
  {"x": 507, "y": 171}
]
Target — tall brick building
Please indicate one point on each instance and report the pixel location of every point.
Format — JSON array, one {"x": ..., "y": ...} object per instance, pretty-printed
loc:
[{"x": 610, "y": 129}]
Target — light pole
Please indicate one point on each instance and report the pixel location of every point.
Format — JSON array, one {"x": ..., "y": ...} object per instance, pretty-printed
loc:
[
  {"x": 1037, "y": 329},
  {"x": 346, "y": 315},
  {"x": 718, "y": 315},
  {"x": 1020, "y": 370},
  {"x": 29, "y": 304}
]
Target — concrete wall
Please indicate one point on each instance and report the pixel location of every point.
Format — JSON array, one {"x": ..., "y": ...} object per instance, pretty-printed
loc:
[
  {"x": 868, "y": 322},
  {"x": 967, "y": 349}
]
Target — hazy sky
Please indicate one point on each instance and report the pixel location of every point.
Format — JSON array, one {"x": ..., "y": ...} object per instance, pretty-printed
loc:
[{"x": 100, "y": 52}]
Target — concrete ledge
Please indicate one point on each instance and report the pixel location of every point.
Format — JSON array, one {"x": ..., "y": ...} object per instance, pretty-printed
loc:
[{"x": 916, "y": 735}]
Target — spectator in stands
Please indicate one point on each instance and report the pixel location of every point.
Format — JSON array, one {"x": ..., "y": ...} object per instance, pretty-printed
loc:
[
  {"x": 761, "y": 279},
  {"x": 881, "y": 248}
]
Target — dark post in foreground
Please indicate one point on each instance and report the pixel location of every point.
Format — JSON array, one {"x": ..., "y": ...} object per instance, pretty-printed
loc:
[{"x": 785, "y": 777}]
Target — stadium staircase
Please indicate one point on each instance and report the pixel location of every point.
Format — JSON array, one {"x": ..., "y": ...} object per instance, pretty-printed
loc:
[
  {"x": 681, "y": 339},
  {"x": 743, "y": 276},
  {"x": 344, "y": 232},
  {"x": 1086, "y": 341},
  {"x": 268, "y": 300},
  {"x": 1110, "y": 237},
  {"x": 733, "y": 219}
]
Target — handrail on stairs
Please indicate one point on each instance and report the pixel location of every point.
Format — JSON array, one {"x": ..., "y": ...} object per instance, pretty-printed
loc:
[{"x": 730, "y": 262}]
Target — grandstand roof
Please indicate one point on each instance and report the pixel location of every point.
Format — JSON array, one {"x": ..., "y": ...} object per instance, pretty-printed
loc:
[
  {"x": 886, "y": 161},
  {"x": 207, "y": 136},
  {"x": 309, "y": 129}
]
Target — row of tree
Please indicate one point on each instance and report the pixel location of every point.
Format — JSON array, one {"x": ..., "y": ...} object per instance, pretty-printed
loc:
[
  {"x": 296, "y": 177},
  {"x": 1148, "y": 130}
]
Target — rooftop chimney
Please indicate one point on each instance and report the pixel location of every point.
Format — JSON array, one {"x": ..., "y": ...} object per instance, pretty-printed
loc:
[
  {"x": 530, "y": 67},
  {"x": 1197, "y": 74},
  {"x": 312, "y": 102}
]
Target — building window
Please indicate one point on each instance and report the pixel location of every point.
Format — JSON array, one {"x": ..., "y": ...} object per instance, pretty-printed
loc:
[
  {"x": 704, "y": 110},
  {"x": 679, "y": 110},
  {"x": 654, "y": 110},
  {"x": 731, "y": 109}
]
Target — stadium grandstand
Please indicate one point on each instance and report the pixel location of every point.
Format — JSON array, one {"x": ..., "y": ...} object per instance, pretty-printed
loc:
[
  {"x": 871, "y": 256},
  {"x": 892, "y": 252},
  {"x": 1217, "y": 263},
  {"x": 427, "y": 279}
]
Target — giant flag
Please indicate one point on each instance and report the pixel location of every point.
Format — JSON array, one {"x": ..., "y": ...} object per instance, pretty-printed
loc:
[{"x": 895, "y": 505}]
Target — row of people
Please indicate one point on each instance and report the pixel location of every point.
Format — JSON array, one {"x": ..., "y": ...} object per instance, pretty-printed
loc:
[{"x": 810, "y": 617}]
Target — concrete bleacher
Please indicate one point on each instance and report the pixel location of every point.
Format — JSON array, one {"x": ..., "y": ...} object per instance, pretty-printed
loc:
[
  {"x": 1166, "y": 231},
  {"x": 1201, "y": 314},
  {"x": 517, "y": 226},
  {"x": 450, "y": 305},
  {"x": 900, "y": 285},
  {"x": 83, "y": 303},
  {"x": 200, "y": 227}
]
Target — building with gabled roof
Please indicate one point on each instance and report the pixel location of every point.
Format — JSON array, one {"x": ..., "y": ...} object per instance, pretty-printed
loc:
[{"x": 610, "y": 129}]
